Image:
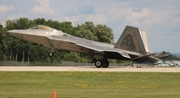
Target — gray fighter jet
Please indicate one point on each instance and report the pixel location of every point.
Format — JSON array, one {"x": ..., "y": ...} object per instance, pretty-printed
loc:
[{"x": 132, "y": 45}]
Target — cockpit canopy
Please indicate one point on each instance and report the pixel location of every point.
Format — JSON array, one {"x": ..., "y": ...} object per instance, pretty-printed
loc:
[
  {"x": 51, "y": 31},
  {"x": 42, "y": 27}
]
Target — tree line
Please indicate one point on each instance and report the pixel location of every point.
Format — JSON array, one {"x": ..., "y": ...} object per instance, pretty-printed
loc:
[{"x": 14, "y": 49}]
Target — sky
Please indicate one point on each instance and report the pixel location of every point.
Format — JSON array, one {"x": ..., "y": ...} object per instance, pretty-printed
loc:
[{"x": 160, "y": 18}]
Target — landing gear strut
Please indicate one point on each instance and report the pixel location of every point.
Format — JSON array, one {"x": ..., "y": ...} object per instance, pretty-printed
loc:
[
  {"x": 101, "y": 63},
  {"x": 51, "y": 53}
]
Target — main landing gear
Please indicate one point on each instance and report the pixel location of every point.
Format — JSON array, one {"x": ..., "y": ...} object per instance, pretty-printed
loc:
[{"x": 101, "y": 63}]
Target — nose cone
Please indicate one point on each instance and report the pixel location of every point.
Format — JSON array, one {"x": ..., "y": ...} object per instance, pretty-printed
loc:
[{"x": 14, "y": 32}]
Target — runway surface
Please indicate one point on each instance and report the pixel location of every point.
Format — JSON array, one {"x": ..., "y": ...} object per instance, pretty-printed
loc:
[{"x": 88, "y": 68}]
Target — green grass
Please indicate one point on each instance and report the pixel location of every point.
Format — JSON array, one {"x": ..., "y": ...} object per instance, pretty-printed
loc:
[{"x": 89, "y": 85}]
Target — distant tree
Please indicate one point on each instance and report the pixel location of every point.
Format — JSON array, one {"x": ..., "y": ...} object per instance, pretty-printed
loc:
[
  {"x": 1, "y": 26},
  {"x": 22, "y": 23},
  {"x": 98, "y": 32},
  {"x": 10, "y": 25},
  {"x": 87, "y": 31},
  {"x": 104, "y": 33},
  {"x": 3, "y": 45}
]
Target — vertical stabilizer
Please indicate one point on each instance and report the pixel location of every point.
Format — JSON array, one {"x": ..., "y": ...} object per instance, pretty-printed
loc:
[{"x": 133, "y": 39}]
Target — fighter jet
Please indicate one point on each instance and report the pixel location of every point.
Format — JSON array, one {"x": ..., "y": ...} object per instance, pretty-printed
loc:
[{"x": 132, "y": 45}]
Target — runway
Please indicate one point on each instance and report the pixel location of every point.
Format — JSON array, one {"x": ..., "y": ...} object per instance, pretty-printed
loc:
[{"x": 88, "y": 69}]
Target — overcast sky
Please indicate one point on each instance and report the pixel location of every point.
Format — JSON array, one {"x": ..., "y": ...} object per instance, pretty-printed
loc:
[{"x": 161, "y": 18}]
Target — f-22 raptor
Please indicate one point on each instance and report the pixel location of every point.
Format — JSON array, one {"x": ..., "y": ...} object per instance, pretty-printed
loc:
[{"x": 132, "y": 45}]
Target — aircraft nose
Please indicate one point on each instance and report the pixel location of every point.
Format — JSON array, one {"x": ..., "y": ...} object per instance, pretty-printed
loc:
[{"x": 13, "y": 32}]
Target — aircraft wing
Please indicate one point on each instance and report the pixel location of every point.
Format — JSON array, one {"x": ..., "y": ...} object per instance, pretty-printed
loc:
[
  {"x": 103, "y": 49},
  {"x": 89, "y": 45}
]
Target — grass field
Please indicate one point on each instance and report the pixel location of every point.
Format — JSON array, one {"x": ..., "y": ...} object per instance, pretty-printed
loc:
[{"x": 89, "y": 85}]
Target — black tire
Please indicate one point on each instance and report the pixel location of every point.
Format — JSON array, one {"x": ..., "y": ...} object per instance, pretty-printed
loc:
[
  {"x": 105, "y": 64},
  {"x": 98, "y": 63}
]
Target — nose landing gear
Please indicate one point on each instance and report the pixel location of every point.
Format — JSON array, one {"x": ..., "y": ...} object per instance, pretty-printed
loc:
[{"x": 51, "y": 53}]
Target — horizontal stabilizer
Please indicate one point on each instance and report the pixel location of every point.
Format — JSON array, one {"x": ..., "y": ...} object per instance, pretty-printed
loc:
[
  {"x": 145, "y": 56},
  {"x": 161, "y": 56}
]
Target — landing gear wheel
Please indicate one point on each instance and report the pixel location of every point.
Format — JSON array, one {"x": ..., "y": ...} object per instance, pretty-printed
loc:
[
  {"x": 105, "y": 64},
  {"x": 51, "y": 54},
  {"x": 98, "y": 63}
]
